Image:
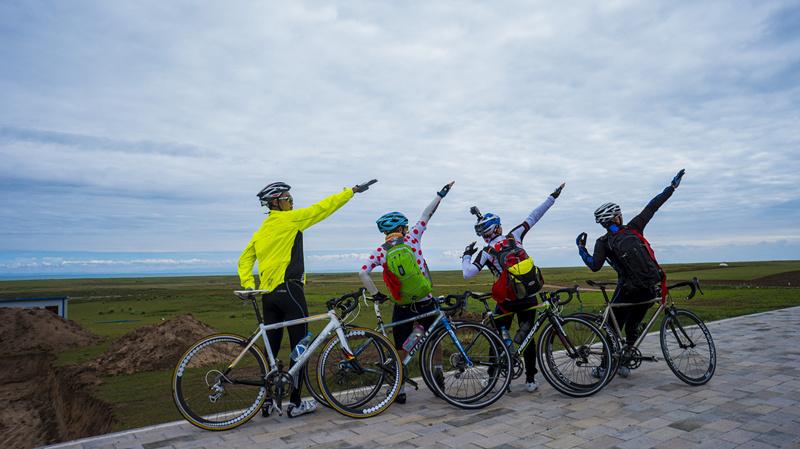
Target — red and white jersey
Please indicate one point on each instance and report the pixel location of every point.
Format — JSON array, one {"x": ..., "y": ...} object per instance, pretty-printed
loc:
[{"x": 413, "y": 239}]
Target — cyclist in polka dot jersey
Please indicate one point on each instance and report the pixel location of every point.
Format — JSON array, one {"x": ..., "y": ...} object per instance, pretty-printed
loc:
[{"x": 395, "y": 225}]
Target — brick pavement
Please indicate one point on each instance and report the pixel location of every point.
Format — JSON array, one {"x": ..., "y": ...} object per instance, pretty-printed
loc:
[{"x": 753, "y": 401}]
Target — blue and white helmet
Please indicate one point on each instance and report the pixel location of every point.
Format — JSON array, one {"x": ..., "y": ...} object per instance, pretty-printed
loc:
[
  {"x": 605, "y": 213},
  {"x": 487, "y": 224},
  {"x": 390, "y": 221}
]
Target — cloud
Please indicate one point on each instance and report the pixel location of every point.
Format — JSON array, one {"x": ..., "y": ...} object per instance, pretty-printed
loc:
[{"x": 151, "y": 126}]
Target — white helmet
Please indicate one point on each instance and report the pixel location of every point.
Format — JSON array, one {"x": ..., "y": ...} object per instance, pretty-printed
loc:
[{"x": 606, "y": 213}]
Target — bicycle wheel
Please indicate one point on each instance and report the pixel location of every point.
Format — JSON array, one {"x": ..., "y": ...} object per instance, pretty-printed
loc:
[
  {"x": 611, "y": 336},
  {"x": 210, "y": 394},
  {"x": 473, "y": 382},
  {"x": 352, "y": 384},
  {"x": 688, "y": 347},
  {"x": 311, "y": 381},
  {"x": 568, "y": 359},
  {"x": 310, "y": 373}
]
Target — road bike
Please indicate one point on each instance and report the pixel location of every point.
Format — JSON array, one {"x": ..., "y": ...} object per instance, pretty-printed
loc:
[
  {"x": 569, "y": 349},
  {"x": 223, "y": 380},
  {"x": 686, "y": 342},
  {"x": 463, "y": 363}
]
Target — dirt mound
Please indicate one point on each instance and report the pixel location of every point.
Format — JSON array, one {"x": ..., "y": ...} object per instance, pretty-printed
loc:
[
  {"x": 38, "y": 330},
  {"x": 153, "y": 347},
  {"x": 43, "y": 404}
]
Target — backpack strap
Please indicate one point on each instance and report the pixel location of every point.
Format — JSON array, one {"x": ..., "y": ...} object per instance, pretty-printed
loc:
[{"x": 664, "y": 289}]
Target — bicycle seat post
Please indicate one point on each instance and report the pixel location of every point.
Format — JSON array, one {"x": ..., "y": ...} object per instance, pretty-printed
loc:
[{"x": 254, "y": 301}]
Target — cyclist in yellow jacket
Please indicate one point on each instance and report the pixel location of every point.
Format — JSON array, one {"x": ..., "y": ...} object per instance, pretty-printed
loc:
[{"x": 278, "y": 247}]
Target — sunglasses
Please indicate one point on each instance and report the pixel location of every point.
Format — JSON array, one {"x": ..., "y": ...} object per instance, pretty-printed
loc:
[{"x": 286, "y": 198}]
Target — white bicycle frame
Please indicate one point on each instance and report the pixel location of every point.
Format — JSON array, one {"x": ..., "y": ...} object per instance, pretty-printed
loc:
[{"x": 294, "y": 371}]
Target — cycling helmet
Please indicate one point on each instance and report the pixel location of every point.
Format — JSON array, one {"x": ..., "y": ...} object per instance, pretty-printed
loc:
[
  {"x": 390, "y": 221},
  {"x": 605, "y": 213},
  {"x": 487, "y": 224},
  {"x": 272, "y": 191}
]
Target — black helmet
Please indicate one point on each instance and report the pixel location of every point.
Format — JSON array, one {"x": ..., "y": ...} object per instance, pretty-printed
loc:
[{"x": 272, "y": 191}]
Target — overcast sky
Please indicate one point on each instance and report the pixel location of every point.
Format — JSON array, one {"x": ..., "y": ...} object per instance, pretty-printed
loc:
[{"x": 148, "y": 127}]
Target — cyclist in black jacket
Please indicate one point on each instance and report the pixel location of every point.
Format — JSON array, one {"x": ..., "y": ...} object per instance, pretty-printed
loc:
[{"x": 609, "y": 216}]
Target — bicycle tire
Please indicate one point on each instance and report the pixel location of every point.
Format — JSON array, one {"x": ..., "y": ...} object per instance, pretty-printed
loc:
[
  {"x": 210, "y": 357},
  {"x": 567, "y": 372},
  {"x": 673, "y": 334},
  {"x": 310, "y": 379},
  {"x": 311, "y": 370},
  {"x": 351, "y": 385},
  {"x": 486, "y": 350},
  {"x": 428, "y": 377},
  {"x": 613, "y": 340}
]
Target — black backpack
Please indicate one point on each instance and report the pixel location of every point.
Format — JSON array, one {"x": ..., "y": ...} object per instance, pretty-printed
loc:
[{"x": 637, "y": 263}]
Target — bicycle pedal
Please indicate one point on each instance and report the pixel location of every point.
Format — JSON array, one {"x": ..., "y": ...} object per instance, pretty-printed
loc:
[{"x": 268, "y": 410}]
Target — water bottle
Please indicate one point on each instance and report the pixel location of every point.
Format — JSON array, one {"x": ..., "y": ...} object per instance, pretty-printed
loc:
[
  {"x": 301, "y": 347},
  {"x": 505, "y": 335},
  {"x": 522, "y": 332},
  {"x": 412, "y": 339}
]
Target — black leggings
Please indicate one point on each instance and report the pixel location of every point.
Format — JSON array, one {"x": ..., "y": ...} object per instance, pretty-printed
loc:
[
  {"x": 523, "y": 316},
  {"x": 287, "y": 302},
  {"x": 629, "y": 317},
  {"x": 402, "y": 331}
]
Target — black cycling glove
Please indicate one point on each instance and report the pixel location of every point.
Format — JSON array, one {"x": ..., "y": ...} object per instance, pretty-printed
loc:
[
  {"x": 380, "y": 297},
  {"x": 363, "y": 187},
  {"x": 442, "y": 193},
  {"x": 676, "y": 181},
  {"x": 557, "y": 191},
  {"x": 581, "y": 240},
  {"x": 470, "y": 250}
]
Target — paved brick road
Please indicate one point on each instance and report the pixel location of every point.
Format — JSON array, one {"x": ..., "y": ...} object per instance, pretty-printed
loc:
[{"x": 752, "y": 402}]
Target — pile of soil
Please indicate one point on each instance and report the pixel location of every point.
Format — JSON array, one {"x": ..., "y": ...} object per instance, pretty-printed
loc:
[
  {"x": 38, "y": 330},
  {"x": 43, "y": 404},
  {"x": 153, "y": 347}
]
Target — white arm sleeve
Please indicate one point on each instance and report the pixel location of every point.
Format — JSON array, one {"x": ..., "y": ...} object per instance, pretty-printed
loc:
[
  {"x": 535, "y": 215},
  {"x": 469, "y": 269}
]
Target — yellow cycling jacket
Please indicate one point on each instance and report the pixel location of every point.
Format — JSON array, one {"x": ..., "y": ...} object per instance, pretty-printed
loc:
[{"x": 278, "y": 243}]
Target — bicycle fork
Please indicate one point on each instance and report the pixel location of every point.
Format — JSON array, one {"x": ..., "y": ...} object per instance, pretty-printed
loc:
[
  {"x": 465, "y": 358},
  {"x": 568, "y": 346},
  {"x": 673, "y": 315}
]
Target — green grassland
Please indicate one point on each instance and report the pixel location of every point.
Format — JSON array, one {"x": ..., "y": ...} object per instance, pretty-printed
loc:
[{"x": 113, "y": 307}]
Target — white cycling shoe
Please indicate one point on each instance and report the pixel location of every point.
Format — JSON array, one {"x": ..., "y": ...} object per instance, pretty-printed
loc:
[
  {"x": 530, "y": 387},
  {"x": 307, "y": 406}
]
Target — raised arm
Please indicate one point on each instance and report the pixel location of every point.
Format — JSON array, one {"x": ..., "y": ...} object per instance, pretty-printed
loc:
[
  {"x": 640, "y": 221},
  {"x": 536, "y": 215},
  {"x": 308, "y": 216},
  {"x": 429, "y": 211}
]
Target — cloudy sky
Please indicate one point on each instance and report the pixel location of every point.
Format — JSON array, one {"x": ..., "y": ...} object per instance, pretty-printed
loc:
[{"x": 134, "y": 135}]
